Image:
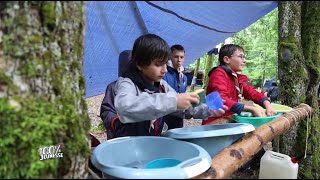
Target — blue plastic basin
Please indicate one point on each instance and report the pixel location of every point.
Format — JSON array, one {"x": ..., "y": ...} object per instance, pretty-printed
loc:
[
  {"x": 144, "y": 157},
  {"x": 213, "y": 138}
]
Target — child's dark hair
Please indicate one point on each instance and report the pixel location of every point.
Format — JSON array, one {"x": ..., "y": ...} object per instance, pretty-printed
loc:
[
  {"x": 228, "y": 50},
  {"x": 148, "y": 48},
  {"x": 177, "y": 47}
]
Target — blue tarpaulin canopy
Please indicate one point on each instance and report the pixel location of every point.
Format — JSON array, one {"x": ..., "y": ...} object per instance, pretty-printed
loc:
[{"x": 113, "y": 26}]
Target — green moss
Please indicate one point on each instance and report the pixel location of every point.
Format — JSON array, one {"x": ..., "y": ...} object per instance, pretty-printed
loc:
[
  {"x": 35, "y": 39},
  {"x": 288, "y": 48},
  {"x": 290, "y": 61},
  {"x": 82, "y": 82},
  {"x": 48, "y": 12},
  {"x": 57, "y": 83},
  {"x": 25, "y": 132},
  {"x": 5, "y": 81},
  {"x": 73, "y": 118},
  {"x": 8, "y": 44},
  {"x": 99, "y": 128},
  {"x": 21, "y": 20},
  {"x": 52, "y": 114},
  {"x": 308, "y": 166},
  {"x": 8, "y": 22},
  {"x": 34, "y": 126},
  {"x": 302, "y": 99},
  {"x": 31, "y": 70},
  {"x": 75, "y": 65},
  {"x": 310, "y": 28},
  {"x": 307, "y": 174}
]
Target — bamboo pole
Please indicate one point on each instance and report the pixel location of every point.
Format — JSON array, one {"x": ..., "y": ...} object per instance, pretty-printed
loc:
[
  {"x": 194, "y": 79},
  {"x": 234, "y": 156},
  {"x": 209, "y": 62}
]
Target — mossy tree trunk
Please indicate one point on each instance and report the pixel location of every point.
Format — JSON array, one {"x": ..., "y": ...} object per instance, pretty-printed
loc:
[
  {"x": 42, "y": 89},
  {"x": 310, "y": 40},
  {"x": 299, "y": 63},
  {"x": 291, "y": 63}
]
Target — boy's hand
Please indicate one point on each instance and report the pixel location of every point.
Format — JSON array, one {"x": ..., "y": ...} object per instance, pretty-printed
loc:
[
  {"x": 185, "y": 100},
  {"x": 270, "y": 111},
  {"x": 219, "y": 112},
  {"x": 257, "y": 112}
]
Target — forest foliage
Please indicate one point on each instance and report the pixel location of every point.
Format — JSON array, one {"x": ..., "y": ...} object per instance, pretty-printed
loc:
[{"x": 259, "y": 41}]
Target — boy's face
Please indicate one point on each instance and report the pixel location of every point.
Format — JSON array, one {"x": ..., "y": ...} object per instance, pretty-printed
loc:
[
  {"x": 236, "y": 61},
  {"x": 154, "y": 72},
  {"x": 177, "y": 58}
]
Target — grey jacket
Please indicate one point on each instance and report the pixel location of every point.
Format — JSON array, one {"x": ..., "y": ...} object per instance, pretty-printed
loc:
[{"x": 133, "y": 105}]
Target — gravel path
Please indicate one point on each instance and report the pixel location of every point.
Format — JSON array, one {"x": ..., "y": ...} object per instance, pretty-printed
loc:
[{"x": 94, "y": 104}]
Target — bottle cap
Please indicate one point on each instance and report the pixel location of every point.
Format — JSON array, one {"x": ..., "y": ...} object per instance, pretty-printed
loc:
[{"x": 294, "y": 160}]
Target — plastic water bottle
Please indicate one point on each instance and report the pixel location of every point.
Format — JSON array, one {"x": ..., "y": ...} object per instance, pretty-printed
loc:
[
  {"x": 274, "y": 165},
  {"x": 202, "y": 96}
]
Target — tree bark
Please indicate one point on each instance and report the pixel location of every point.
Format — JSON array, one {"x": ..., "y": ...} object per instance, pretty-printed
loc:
[
  {"x": 42, "y": 89},
  {"x": 234, "y": 156},
  {"x": 299, "y": 67},
  {"x": 292, "y": 74},
  {"x": 310, "y": 33}
]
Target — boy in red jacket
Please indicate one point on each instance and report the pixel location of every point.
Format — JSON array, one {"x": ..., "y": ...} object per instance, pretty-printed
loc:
[{"x": 233, "y": 86}]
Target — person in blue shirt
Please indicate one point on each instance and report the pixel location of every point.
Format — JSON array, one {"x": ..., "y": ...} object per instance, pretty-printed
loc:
[
  {"x": 108, "y": 112},
  {"x": 176, "y": 79}
]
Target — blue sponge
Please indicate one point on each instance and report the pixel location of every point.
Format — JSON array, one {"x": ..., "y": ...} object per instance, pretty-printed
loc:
[{"x": 214, "y": 100}]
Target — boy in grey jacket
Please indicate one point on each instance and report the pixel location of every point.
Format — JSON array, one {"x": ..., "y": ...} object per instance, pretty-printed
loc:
[{"x": 143, "y": 98}]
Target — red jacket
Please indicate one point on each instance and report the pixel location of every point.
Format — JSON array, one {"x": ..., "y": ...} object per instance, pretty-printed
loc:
[{"x": 221, "y": 80}]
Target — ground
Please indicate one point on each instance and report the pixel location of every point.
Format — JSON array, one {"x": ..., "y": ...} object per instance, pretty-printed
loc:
[{"x": 97, "y": 129}]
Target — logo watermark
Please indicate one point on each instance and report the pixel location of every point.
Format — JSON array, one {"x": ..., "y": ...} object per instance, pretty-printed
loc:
[{"x": 49, "y": 152}]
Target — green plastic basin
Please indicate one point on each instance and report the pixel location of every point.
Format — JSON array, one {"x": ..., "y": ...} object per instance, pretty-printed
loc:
[{"x": 255, "y": 121}]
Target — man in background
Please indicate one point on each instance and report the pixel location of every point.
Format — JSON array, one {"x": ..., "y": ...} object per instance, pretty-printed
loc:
[
  {"x": 176, "y": 79},
  {"x": 273, "y": 92}
]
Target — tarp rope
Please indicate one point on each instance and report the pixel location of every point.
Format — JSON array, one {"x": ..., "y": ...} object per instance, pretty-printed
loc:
[{"x": 185, "y": 19}]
